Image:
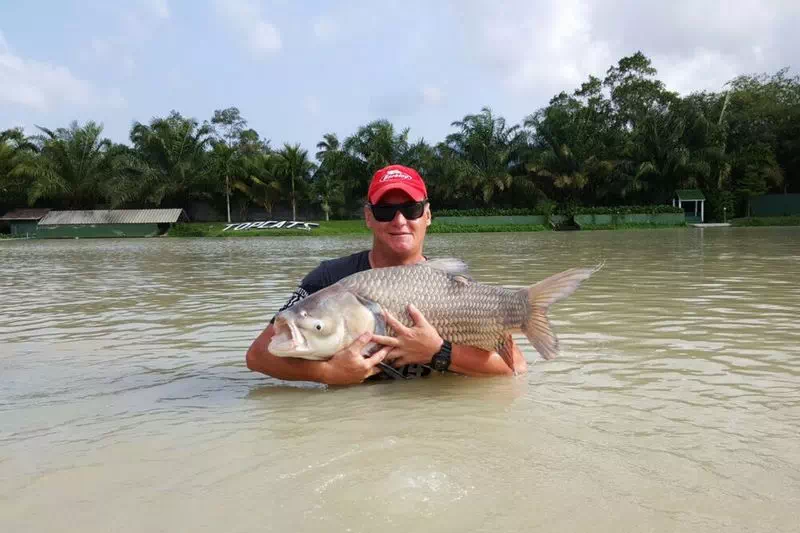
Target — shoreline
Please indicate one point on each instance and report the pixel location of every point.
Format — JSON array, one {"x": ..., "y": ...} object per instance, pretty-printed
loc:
[{"x": 357, "y": 227}]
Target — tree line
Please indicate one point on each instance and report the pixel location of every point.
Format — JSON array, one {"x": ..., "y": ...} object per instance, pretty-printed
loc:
[{"x": 621, "y": 140}]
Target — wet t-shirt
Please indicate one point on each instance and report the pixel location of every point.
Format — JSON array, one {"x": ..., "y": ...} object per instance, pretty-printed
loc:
[{"x": 329, "y": 272}]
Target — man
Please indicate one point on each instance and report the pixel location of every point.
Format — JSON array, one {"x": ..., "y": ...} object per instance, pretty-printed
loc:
[{"x": 398, "y": 214}]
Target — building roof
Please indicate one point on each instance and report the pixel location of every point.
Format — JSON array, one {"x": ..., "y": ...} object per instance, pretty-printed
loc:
[
  {"x": 690, "y": 195},
  {"x": 25, "y": 214},
  {"x": 113, "y": 216}
]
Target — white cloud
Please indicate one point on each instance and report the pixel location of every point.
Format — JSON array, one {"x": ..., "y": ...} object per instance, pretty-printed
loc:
[
  {"x": 312, "y": 106},
  {"x": 159, "y": 8},
  {"x": 543, "y": 46},
  {"x": 431, "y": 95},
  {"x": 245, "y": 19},
  {"x": 43, "y": 86},
  {"x": 133, "y": 31},
  {"x": 554, "y": 45},
  {"x": 325, "y": 28}
]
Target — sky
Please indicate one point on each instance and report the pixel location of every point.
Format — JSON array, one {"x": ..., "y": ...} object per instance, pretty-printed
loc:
[{"x": 297, "y": 70}]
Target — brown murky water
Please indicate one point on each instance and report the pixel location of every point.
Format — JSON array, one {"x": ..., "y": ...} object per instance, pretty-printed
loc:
[{"x": 675, "y": 405}]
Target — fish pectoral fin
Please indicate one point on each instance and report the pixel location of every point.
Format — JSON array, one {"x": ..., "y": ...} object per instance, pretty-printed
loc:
[
  {"x": 462, "y": 279},
  {"x": 377, "y": 312},
  {"x": 506, "y": 352}
]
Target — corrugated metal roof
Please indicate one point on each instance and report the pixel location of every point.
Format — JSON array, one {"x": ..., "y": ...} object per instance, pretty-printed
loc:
[
  {"x": 25, "y": 214},
  {"x": 690, "y": 195},
  {"x": 113, "y": 216}
]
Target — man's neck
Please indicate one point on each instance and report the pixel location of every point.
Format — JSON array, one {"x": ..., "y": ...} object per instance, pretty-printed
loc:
[{"x": 379, "y": 258}]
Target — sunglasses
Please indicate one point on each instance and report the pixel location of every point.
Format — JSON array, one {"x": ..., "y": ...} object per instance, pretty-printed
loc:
[{"x": 387, "y": 212}]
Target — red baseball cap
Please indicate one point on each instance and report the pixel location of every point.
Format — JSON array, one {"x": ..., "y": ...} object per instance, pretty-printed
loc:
[{"x": 397, "y": 177}]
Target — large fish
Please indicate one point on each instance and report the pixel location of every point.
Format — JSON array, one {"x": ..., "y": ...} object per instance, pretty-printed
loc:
[{"x": 461, "y": 309}]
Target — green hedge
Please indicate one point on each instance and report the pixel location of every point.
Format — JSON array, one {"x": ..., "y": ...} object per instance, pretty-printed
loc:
[
  {"x": 614, "y": 210},
  {"x": 438, "y": 227},
  {"x": 660, "y": 219},
  {"x": 629, "y": 210},
  {"x": 485, "y": 212}
]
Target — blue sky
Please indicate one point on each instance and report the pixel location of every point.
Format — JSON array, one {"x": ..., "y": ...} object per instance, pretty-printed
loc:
[{"x": 297, "y": 70}]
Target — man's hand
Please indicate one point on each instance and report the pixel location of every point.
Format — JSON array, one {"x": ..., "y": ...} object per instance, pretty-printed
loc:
[
  {"x": 349, "y": 367},
  {"x": 346, "y": 367},
  {"x": 414, "y": 345}
]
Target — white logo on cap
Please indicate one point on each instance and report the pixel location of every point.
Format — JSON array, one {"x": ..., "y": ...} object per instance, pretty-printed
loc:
[{"x": 396, "y": 175}]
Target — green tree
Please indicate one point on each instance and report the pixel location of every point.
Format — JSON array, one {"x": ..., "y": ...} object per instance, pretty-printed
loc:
[
  {"x": 261, "y": 184},
  {"x": 328, "y": 182},
  {"x": 14, "y": 146},
  {"x": 634, "y": 90},
  {"x": 228, "y": 126},
  {"x": 69, "y": 166},
  {"x": 170, "y": 162},
  {"x": 489, "y": 152},
  {"x": 575, "y": 143},
  {"x": 292, "y": 164}
]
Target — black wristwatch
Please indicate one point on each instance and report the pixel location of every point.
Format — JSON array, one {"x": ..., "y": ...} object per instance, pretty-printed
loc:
[{"x": 441, "y": 359}]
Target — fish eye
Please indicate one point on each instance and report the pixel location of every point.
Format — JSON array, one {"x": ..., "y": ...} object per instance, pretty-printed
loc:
[{"x": 318, "y": 326}]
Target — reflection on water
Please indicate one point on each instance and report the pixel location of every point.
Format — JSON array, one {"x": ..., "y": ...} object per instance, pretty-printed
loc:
[{"x": 674, "y": 406}]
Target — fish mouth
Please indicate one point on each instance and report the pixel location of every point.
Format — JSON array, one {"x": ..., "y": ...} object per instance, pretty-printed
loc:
[{"x": 288, "y": 339}]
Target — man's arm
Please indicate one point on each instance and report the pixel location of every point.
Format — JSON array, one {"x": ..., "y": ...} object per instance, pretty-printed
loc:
[
  {"x": 346, "y": 367},
  {"x": 476, "y": 362},
  {"x": 287, "y": 368}
]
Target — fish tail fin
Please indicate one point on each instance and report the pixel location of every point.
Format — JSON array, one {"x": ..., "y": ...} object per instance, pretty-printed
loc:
[{"x": 540, "y": 297}]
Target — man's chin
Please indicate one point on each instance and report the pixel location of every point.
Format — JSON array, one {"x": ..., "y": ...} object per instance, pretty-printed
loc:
[{"x": 401, "y": 243}]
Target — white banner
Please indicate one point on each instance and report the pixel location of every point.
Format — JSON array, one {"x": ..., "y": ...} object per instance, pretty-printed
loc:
[{"x": 272, "y": 224}]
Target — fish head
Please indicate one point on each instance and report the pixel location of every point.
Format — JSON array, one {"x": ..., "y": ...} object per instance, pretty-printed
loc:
[{"x": 320, "y": 325}]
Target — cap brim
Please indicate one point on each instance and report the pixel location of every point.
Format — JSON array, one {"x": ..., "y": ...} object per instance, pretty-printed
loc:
[{"x": 414, "y": 193}]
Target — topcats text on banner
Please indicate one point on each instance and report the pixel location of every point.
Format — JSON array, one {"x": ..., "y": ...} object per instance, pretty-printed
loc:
[{"x": 272, "y": 224}]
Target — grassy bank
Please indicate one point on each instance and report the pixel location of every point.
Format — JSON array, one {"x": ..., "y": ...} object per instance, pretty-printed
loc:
[
  {"x": 766, "y": 221},
  {"x": 334, "y": 227},
  {"x": 217, "y": 229},
  {"x": 357, "y": 227}
]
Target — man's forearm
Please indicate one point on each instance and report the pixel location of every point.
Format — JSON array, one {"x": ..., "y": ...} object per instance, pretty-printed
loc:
[
  {"x": 471, "y": 361},
  {"x": 286, "y": 368}
]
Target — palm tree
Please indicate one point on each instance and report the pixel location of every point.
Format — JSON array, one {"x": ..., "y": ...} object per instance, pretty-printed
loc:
[
  {"x": 489, "y": 150},
  {"x": 327, "y": 187},
  {"x": 14, "y": 146},
  {"x": 328, "y": 145},
  {"x": 70, "y": 166},
  {"x": 261, "y": 185},
  {"x": 171, "y": 163},
  {"x": 292, "y": 163},
  {"x": 377, "y": 144},
  {"x": 573, "y": 143},
  {"x": 659, "y": 158}
]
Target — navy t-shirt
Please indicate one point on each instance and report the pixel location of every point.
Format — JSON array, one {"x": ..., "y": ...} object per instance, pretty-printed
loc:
[{"x": 329, "y": 272}]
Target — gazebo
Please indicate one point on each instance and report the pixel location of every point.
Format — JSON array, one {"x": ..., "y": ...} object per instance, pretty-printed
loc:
[{"x": 695, "y": 196}]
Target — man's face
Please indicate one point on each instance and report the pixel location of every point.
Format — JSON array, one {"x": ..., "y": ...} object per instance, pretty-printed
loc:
[{"x": 400, "y": 235}]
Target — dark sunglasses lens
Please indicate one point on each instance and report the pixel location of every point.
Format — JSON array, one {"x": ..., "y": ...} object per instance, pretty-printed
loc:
[
  {"x": 386, "y": 213},
  {"x": 414, "y": 211}
]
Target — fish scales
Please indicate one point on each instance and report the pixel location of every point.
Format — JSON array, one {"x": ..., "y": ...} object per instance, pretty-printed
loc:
[{"x": 461, "y": 310}]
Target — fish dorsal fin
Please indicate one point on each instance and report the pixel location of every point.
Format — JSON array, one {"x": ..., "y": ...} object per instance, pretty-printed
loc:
[{"x": 457, "y": 268}]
